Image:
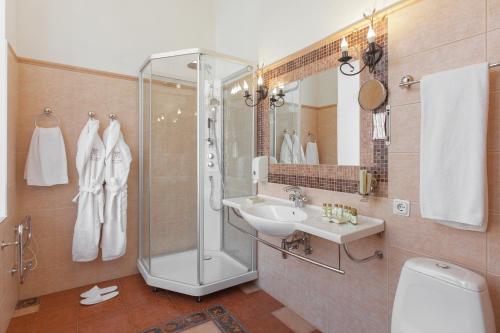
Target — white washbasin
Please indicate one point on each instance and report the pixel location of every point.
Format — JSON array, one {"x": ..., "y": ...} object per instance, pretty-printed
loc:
[
  {"x": 278, "y": 217},
  {"x": 273, "y": 220}
]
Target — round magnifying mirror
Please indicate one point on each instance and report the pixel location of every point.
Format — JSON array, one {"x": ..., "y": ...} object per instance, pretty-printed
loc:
[{"x": 372, "y": 94}]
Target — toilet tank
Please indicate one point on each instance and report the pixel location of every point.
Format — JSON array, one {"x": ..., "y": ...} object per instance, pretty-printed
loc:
[{"x": 438, "y": 297}]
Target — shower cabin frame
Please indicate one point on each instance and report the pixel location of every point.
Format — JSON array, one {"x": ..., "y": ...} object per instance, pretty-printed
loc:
[{"x": 201, "y": 288}]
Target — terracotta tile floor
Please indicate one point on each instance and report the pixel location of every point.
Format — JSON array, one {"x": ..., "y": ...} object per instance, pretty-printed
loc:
[{"x": 138, "y": 307}]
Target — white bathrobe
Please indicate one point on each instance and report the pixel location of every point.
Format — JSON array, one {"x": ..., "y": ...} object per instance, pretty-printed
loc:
[
  {"x": 298, "y": 156},
  {"x": 286, "y": 149},
  {"x": 117, "y": 167},
  {"x": 90, "y": 198}
]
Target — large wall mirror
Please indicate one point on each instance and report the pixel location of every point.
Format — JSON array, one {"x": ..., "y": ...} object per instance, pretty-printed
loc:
[
  {"x": 318, "y": 121},
  {"x": 319, "y": 136}
]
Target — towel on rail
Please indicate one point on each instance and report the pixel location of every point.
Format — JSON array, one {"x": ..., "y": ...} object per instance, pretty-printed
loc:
[
  {"x": 454, "y": 122},
  {"x": 46, "y": 164}
]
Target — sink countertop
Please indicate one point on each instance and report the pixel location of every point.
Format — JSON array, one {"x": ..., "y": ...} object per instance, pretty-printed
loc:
[{"x": 315, "y": 224}]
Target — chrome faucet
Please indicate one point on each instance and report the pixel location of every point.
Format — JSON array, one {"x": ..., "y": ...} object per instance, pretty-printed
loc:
[{"x": 295, "y": 195}]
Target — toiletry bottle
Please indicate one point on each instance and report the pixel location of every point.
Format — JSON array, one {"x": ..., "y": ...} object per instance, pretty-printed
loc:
[
  {"x": 354, "y": 217},
  {"x": 335, "y": 210},
  {"x": 341, "y": 211},
  {"x": 325, "y": 209},
  {"x": 347, "y": 214},
  {"x": 329, "y": 211}
]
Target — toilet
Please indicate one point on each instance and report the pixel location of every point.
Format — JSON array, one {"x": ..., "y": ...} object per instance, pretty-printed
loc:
[{"x": 438, "y": 297}]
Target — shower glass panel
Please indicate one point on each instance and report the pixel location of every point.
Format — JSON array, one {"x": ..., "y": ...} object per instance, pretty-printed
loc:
[
  {"x": 173, "y": 159},
  {"x": 197, "y": 144},
  {"x": 227, "y": 125},
  {"x": 144, "y": 159}
]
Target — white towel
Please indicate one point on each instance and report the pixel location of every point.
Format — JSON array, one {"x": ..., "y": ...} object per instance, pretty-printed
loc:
[
  {"x": 298, "y": 156},
  {"x": 286, "y": 149},
  {"x": 453, "y": 179},
  {"x": 46, "y": 164},
  {"x": 312, "y": 156}
]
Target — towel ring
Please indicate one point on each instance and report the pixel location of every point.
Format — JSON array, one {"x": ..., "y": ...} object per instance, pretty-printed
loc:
[
  {"x": 112, "y": 116},
  {"x": 47, "y": 112},
  {"x": 91, "y": 115}
]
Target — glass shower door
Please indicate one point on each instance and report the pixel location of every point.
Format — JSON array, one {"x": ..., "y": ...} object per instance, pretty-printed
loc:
[
  {"x": 226, "y": 151},
  {"x": 173, "y": 170}
]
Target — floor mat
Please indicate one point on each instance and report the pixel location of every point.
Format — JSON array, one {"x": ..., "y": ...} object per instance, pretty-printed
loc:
[{"x": 220, "y": 316}]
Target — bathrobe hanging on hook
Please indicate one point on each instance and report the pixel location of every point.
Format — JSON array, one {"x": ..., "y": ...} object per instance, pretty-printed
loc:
[
  {"x": 90, "y": 165},
  {"x": 117, "y": 168}
]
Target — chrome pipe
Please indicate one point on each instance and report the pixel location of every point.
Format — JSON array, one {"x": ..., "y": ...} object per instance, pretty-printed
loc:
[{"x": 377, "y": 255}]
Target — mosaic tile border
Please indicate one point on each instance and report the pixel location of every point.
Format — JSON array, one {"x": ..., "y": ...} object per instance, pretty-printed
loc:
[
  {"x": 374, "y": 154},
  {"x": 221, "y": 317}
]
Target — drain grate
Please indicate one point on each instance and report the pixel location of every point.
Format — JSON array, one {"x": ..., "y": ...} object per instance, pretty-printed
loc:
[{"x": 26, "y": 306}]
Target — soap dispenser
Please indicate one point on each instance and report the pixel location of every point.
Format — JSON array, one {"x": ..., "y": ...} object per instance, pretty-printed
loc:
[{"x": 259, "y": 169}]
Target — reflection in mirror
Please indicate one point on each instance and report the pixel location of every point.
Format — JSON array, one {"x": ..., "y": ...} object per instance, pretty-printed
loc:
[{"x": 319, "y": 121}]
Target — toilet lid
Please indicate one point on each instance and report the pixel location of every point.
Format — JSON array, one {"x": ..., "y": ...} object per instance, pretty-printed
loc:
[{"x": 447, "y": 272}]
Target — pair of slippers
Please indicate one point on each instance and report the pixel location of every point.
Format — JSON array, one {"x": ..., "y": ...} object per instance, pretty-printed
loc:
[{"x": 97, "y": 295}]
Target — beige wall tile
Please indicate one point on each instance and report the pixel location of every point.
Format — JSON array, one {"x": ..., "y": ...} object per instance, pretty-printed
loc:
[
  {"x": 457, "y": 54},
  {"x": 405, "y": 129},
  {"x": 427, "y": 237},
  {"x": 494, "y": 182},
  {"x": 493, "y": 14},
  {"x": 404, "y": 176},
  {"x": 494, "y": 244},
  {"x": 72, "y": 95},
  {"x": 494, "y": 122},
  {"x": 429, "y": 24}
]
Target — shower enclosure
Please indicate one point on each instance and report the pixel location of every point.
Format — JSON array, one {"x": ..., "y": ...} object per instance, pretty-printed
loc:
[{"x": 196, "y": 147}]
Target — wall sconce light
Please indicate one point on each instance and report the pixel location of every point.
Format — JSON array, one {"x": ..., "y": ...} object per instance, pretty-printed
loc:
[
  {"x": 371, "y": 56},
  {"x": 277, "y": 98},
  {"x": 260, "y": 92}
]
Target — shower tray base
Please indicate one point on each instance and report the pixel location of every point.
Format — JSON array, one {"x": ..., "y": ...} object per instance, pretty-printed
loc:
[{"x": 178, "y": 272}]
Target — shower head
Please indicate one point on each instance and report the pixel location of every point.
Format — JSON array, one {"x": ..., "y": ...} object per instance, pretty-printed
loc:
[
  {"x": 214, "y": 102},
  {"x": 193, "y": 65}
]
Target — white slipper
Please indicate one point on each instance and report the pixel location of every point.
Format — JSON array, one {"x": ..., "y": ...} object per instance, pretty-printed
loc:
[
  {"x": 96, "y": 291},
  {"x": 98, "y": 298}
]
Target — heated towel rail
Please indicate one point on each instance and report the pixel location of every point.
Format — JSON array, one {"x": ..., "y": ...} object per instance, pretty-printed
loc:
[{"x": 23, "y": 234}]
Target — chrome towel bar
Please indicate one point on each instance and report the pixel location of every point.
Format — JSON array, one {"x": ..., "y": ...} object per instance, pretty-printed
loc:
[{"x": 407, "y": 80}]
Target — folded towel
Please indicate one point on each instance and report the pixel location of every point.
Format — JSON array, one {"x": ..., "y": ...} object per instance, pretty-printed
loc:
[
  {"x": 46, "y": 164},
  {"x": 454, "y": 122},
  {"x": 312, "y": 153},
  {"x": 379, "y": 126}
]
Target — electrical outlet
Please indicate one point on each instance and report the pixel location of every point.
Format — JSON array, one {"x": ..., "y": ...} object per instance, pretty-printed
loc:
[{"x": 401, "y": 207}]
